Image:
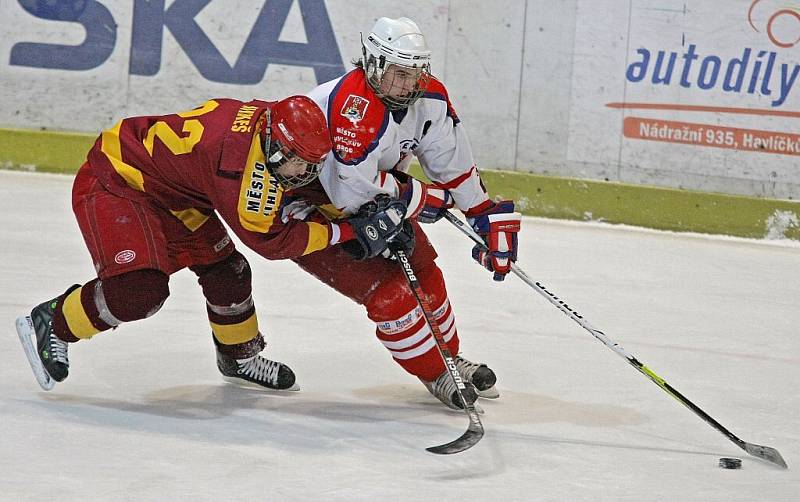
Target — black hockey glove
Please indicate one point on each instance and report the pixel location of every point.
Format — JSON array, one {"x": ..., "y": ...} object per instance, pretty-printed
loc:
[
  {"x": 375, "y": 224},
  {"x": 404, "y": 240}
]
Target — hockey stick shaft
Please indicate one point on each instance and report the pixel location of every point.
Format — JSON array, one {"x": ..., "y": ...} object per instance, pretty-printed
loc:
[
  {"x": 475, "y": 430},
  {"x": 763, "y": 452}
]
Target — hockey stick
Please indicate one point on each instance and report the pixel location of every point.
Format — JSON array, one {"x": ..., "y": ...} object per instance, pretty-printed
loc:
[
  {"x": 764, "y": 452},
  {"x": 474, "y": 432}
]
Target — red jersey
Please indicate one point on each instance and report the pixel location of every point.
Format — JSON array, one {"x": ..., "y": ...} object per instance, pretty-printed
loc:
[{"x": 202, "y": 160}]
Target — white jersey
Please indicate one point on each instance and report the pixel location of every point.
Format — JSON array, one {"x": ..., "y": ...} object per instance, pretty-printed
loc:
[{"x": 369, "y": 140}]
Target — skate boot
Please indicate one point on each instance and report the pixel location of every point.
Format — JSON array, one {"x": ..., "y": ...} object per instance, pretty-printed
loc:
[
  {"x": 243, "y": 365},
  {"x": 444, "y": 389},
  {"x": 479, "y": 375},
  {"x": 49, "y": 359}
]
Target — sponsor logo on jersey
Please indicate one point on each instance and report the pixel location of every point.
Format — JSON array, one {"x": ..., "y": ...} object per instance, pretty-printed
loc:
[
  {"x": 261, "y": 183},
  {"x": 262, "y": 186},
  {"x": 222, "y": 243},
  {"x": 408, "y": 145},
  {"x": 346, "y": 142},
  {"x": 125, "y": 256},
  {"x": 260, "y": 193},
  {"x": 256, "y": 190},
  {"x": 272, "y": 196},
  {"x": 355, "y": 108}
]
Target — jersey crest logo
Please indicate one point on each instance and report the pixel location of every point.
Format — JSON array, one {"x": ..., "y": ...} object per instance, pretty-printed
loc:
[{"x": 355, "y": 108}]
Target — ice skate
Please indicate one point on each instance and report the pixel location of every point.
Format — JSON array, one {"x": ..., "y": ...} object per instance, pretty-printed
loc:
[
  {"x": 48, "y": 358},
  {"x": 479, "y": 375},
  {"x": 256, "y": 371},
  {"x": 444, "y": 389}
]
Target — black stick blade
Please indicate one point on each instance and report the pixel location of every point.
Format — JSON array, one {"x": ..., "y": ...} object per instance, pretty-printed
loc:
[
  {"x": 467, "y": 440},
  {"x": 767, "y": 453}
]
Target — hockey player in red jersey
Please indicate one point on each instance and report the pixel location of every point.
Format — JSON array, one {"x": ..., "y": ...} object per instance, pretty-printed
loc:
[
  {"x": 379, "y": 114},
  {"x": 148, "y": 202}
]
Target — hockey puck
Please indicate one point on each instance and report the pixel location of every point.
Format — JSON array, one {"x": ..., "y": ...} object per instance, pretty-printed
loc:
[{"x": 730, "y": 463}]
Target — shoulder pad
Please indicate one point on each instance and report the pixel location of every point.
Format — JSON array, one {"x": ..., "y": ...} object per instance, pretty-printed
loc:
[
  {"x": 242, "y": 124},
  {"x": 356, "y": 117},
  {"x": 437, "y": 90}
]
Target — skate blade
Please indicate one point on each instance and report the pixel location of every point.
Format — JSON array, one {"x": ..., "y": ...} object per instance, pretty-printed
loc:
[
  {"x": 490, "y": 393},
  {"x": 27, "y": 335},
  {"x": 246, "y": 384}
]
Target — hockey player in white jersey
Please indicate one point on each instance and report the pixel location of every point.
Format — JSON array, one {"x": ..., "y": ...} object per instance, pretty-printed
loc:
[{"x": 379, "y": 114}]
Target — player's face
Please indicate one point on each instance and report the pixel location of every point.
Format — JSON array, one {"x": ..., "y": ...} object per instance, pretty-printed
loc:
[
  {"x": 399, "y": 81},
  {"x": 294, "y": 167}
]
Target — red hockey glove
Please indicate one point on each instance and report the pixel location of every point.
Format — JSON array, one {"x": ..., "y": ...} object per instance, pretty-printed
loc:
[
  {"x": 426, "y": 203},
  {"x": 498, "y": 226}
]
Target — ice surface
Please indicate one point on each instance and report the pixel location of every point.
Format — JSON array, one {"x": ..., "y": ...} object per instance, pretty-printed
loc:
[{"x": 144, "y": 414}]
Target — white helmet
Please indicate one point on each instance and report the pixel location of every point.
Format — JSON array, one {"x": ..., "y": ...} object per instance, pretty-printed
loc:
[{"x": 396, "y": 42}]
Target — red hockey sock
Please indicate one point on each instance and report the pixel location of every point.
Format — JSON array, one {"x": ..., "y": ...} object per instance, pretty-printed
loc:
[
  {"x": 402, "y": 328},
  {"x": 101, "y": 305},
  {"x": 227, "y": 289}
]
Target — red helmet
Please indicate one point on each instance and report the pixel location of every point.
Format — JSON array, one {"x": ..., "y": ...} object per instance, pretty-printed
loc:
[{"x": 297, "y": 128}]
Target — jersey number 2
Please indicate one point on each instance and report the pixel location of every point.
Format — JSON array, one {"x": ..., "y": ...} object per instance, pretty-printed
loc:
[{"x": 179, "y": 145}]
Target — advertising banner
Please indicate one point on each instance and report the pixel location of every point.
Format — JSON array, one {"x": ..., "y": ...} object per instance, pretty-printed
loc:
[{"x": 698, "y": 94}]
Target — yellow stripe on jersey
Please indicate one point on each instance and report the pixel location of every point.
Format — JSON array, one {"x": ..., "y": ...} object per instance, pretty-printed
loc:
[
  {"x": 330, "y": 211},
  {"x": 111, "y": 148},
  {"x": 192, "y": 218},
  {"x": 208, "y": 106},
  {"x": 231, "y": 334},
  {"x": 318, "y": 237},
  {"x": 76, "y": 317},
  {"x": 260, "y": 194}
]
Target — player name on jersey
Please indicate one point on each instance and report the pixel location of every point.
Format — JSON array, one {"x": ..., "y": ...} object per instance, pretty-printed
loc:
[{"x": 243, "y": 117}]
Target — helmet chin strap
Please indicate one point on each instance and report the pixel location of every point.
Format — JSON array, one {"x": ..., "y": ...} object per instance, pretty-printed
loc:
[
  {"x": 267, "y": 145},
  {"x": 268, "y": 135}
]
